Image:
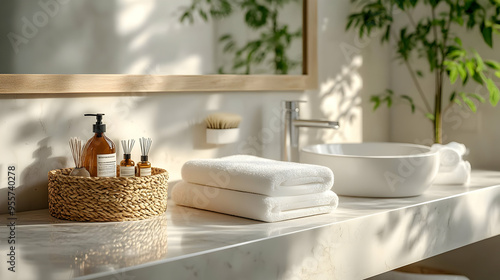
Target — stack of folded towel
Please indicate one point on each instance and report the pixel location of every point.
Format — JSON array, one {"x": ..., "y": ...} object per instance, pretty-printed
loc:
[
  {"x": 452, "y": 168},
  {"x": 256, "y": 188}
]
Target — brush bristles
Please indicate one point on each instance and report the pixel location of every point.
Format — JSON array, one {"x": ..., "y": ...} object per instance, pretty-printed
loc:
[{"x": 223, "y": 121}]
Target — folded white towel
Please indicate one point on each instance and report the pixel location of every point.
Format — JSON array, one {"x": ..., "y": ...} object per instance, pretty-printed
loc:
[
  {"x": 459, "y": 176},
  {"x": 258, "y": 175},
  {"x": 253, "y": 206},
  {"x": 450, "y": 155}
]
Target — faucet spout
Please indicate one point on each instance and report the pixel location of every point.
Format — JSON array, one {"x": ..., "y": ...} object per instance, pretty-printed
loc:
[{"x": 316, "y": 123}]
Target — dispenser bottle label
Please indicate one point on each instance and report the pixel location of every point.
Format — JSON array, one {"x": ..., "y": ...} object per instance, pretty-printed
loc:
[
  {"x": 127, "y": 171},
  {"x": 106, "y": 165},
  {"x": 145, "y": 172}
]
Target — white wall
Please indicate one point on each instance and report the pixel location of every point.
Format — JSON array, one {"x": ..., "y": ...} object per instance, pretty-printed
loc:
[{"x": 36, "y": 131}]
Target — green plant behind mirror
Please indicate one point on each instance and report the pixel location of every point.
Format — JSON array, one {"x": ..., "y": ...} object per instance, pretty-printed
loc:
[
  {"x": 430, "y": 38},
  {"x": 272, "y": 43}
]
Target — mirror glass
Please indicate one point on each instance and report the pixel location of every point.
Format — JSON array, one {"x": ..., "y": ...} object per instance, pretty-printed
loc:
[{"x": 151, "y": 37}]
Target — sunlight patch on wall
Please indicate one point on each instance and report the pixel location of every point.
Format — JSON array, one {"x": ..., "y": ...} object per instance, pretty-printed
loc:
[
  {"x": 140, "y": 41},
  {"x": 190, "y": 65},
  {"x": 132, "y": 15},
  {"x": 341, "y": 101},
  {"x": 140, "y": 65}
]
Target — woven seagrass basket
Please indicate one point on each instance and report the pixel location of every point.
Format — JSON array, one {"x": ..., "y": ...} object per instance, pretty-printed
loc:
[{"x": 107, "y": 199}]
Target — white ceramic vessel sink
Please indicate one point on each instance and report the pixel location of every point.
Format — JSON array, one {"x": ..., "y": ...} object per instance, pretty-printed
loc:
[{"x": 376, "y": 169}]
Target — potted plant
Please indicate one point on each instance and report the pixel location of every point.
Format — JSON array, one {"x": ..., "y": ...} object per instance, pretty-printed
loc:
[{"x": 431, "y": 37}]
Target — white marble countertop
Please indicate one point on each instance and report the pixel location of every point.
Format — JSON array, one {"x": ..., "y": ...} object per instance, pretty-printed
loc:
[{"x": 362, "y": 238}]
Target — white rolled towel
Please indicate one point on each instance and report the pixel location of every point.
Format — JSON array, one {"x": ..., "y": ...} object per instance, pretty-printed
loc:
[
  {"x": 450, "y": 155},
  {"x": 258, "y": 175},
  {"x": 458, "y": 176},
  {"x": 253, "y": 206}
]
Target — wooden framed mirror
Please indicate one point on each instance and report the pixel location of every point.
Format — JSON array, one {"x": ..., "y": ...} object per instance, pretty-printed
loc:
[{"x": 97, "y": 84}]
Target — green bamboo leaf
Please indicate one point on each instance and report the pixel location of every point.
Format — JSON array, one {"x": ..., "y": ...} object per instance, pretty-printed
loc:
[
  {"x": 459, "y": 20},
  {"x": 479, "y": 61},
  {"x": 229, "y": 47},
  {"x": 387, "y": 33},
  {"x": 477, "y": 97},
  {"x": 376, "y": 100},
  {"x": 456, "y": 54},
  {"x": 430, "y": 116},
  {"x": 458, "y": 41},
  {"x": 462, "y": 71},
  {"x": 453, "y": 96},
  {"x": 494, "y": 92},
  {"x": 388, "y": 99},
  {"x": 492, "y": 64},
  {"x": 453, "y": 75},
  {"x": 470, "y": 65},
  {"x": 185, "y": 16},
  {"x": 203, "y": 14},
  {"x": 349, "y": 23},
  {"x": 477, "y": 77},
  {"x": 409, "y": 99},
  {"x": 469, "y": 103},
  {"x": 419, "y": 73},
  {"x": 497, "y": 74},
  {"x": 487, "y": 33},
  {"x": 448, "y": 63}
]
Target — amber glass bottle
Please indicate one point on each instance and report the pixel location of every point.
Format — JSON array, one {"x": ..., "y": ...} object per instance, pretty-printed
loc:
[
  {"x": 127, "y": 165},
  {"x": 144, "y": 167},
  {"x": 100, "y": 152}
]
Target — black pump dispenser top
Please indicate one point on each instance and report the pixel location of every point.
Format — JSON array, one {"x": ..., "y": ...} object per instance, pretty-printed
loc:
[{"x": 99, "y": 127}]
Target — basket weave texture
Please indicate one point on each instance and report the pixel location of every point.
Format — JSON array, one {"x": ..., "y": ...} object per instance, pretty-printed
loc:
[{"x": 107, "y": 199}]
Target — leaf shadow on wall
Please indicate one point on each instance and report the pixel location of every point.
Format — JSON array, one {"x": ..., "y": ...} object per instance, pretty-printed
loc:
[
  {"x": 7, "y": 13},
  {"x": 33, "y": 179},
  {"x": 340, "y": 100}
]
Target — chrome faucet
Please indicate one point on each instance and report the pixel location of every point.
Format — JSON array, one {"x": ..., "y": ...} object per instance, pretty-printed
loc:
[{"x": 291, "y": 123}]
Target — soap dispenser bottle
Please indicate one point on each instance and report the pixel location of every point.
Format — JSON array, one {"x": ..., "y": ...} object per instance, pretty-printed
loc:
[{"x": 100, "y": 152}]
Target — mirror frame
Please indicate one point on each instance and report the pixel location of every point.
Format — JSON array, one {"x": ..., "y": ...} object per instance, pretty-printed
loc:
[{"x": 40, "y": 84}]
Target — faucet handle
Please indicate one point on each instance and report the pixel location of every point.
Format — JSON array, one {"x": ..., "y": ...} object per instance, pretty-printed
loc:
[{"x": 292, "y": 105}]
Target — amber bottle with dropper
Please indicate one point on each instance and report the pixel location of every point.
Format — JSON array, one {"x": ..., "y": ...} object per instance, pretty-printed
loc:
[
  {"x": 100, "y": 152},
  {"x": 127, "y": 165},
  {"x": 144, "y": 166}
]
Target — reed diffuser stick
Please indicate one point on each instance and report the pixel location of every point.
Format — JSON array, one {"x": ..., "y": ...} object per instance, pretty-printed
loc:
[
  {"x": 145, "y": 145},
  {"x": 127, "y": 146},
  {"x": 76, "y": 147}
]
